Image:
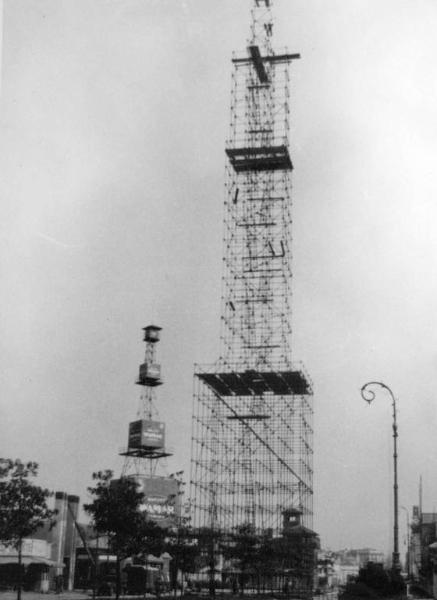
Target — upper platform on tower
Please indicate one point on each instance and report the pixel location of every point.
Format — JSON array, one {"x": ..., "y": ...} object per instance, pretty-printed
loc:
[{"x": 260, "y": 115}]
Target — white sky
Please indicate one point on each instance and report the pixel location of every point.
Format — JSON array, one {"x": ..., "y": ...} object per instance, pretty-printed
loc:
[{"x": 113, "y": 120}]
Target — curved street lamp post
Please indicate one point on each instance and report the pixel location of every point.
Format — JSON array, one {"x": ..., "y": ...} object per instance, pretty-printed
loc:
[{"x": 369, "y": 395}]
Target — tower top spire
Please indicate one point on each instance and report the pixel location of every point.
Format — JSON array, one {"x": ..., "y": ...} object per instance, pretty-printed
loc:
[{"x": 261, "y": 28}]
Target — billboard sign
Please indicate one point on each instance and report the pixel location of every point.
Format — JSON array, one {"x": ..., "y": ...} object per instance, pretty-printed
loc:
[
  {"x": 161, "y": 499},
  {"x": 146, "y": 434}
]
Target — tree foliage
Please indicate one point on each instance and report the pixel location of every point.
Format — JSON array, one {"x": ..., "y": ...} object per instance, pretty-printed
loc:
[
  {"x": 246, "y": 547},
  {"x": 116, "y": 513},
  {"x": 379, "y": 580},
  {"x": 184, "y": 550},
  {"x": 263, "y": 560},
  {"x": 23, "y": 505},
  {"x": 242, "y": 550}
]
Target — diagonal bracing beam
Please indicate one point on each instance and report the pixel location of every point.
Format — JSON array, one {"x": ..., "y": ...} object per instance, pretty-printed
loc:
[{"x": 260, "y": 439}]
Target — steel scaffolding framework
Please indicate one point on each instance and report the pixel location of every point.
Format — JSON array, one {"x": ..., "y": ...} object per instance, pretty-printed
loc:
[{"x": 252, "y": 410}]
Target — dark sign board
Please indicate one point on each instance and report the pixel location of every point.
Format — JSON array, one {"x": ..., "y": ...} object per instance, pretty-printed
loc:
[
  {"x": 150, "y": 372},
  {"x": 146, "y": 434}
]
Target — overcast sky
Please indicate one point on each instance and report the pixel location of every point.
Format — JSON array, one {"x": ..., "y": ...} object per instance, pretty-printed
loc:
[{"x": 114, "y": 115}]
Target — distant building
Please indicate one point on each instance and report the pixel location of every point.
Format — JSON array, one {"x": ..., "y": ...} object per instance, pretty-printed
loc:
[
  {"x": 422, "y": 551},
  {"x": 358, "y": 557},
  {"x": 348, "y": 562}
]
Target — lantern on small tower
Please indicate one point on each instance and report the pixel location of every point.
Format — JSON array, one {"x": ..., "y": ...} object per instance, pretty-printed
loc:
[{"x": 151, "y": 333}]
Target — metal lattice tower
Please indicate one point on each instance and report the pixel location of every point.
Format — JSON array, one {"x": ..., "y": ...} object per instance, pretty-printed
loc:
[
  {"x": 252, "y": 410},
  {"x": 145, "y": 446}
]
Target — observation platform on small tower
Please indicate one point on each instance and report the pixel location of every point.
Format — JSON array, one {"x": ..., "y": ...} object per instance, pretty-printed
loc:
[
  {"x": 150, "y": 453},
  {"x": 257, "y": 383}
]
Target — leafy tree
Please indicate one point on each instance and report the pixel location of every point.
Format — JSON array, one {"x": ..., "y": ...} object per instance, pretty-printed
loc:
[
  {"x": 297, "y": 549},
  {"x": 244, "y": 552},
  {"x": 383, "y": 582},
  {"x": 115, "y": 511},
  {"x": 269, "y": 559},
  {"x": 184, "y": 550},
  {"x": 23, "y": 506}
]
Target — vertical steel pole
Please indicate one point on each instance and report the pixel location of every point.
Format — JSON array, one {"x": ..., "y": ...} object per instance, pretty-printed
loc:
[
  {"x": 369, "y": 396},
  {"x": 408, "y": 543},
  {"x": 396, "y": 561}
]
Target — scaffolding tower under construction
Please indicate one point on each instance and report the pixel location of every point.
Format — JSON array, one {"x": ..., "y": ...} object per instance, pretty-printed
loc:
[{"x": 252, "y": 455}]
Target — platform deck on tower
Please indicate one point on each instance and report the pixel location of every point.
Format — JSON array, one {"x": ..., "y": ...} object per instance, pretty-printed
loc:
[{"x": 256, "y": 383}]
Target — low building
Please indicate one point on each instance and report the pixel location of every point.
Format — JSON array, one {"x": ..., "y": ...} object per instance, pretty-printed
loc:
[
  {"x": 359, "y": 557},
  {"x": 348, "y": 562},
  {"x": 48, "y": 557},
  {"x": 37, "y": 564}
]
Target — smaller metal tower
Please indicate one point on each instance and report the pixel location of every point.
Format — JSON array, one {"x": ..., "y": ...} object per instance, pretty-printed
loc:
[
  {"x": 146, "y": 440},
  {"x": 162, "y": 494}
]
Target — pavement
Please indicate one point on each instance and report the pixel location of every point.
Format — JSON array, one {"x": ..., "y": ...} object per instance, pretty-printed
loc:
[
  {"x": 75, "y": 595},
  {"x": 49, "y": 596}
]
